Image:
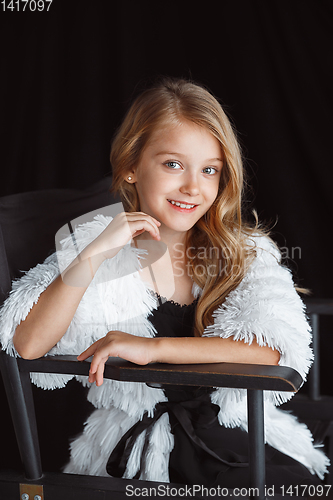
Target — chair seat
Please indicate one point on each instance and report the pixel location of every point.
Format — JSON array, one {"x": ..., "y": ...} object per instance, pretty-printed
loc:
[
  {"x": 74, "y": 487},
  {"x": 82, "y": 487}
]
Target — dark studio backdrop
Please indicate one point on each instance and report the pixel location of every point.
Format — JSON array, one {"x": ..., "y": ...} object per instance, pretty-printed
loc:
[{"x": 68, "y": 75}]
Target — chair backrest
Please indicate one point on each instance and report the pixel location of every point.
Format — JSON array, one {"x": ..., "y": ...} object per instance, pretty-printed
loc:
[
  {"x": 28, "y": 224},
  {"x": 316, "y": 308},
  {"x": 29, "y": 221}
]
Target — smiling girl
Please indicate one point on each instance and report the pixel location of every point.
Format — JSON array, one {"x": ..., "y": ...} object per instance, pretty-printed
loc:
[{"x": 178, "y": 169}]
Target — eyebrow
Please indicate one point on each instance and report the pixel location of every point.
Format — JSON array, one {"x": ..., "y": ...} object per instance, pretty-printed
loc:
[{"x": 180, "y": 154}]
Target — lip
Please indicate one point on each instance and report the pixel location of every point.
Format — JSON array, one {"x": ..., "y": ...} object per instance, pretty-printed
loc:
[
  {"x": 183, "y": 210},
  {"x": 185, "y": 202}
]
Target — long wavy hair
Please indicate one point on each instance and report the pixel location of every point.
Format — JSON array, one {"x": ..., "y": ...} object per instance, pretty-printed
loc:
[{"x": 216, "y": 247}]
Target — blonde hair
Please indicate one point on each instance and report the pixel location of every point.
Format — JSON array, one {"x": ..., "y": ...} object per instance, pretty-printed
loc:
[{"x": 221, "y": 230}]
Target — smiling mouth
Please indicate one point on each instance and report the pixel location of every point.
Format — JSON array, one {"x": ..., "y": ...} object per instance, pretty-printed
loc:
[{"x": 179, "y": 204}]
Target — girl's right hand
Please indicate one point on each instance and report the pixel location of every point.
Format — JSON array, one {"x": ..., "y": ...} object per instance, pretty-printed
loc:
[{"x": 124, "y": 227}]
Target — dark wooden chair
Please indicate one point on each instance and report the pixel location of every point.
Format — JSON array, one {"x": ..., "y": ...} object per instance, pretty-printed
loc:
[
  {"x": 254, "y": 378},
  {"x": 310, "y": 405},
  {"x": 27, "y": 223}
]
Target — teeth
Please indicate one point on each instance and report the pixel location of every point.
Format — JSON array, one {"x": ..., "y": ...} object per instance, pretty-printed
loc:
[{"x": 181, "y": 205}]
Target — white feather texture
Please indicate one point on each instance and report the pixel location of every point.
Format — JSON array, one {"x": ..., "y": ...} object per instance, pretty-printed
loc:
[
  {"x": 91, "y": 450},
  {"x": 287, "y": 428},
  {"x": 264, "y": 308},
  {"x": 161, "y": 443}
]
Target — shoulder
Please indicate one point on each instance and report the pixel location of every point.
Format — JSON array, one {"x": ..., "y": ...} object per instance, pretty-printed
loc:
[
  {"x": 265, "y": 260},
  {"x": 266, "y": 291},
  {"x": 265, "y": 248}
]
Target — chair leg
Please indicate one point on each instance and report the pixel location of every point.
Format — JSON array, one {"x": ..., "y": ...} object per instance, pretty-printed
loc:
[
  {"x": 255, "y": 408},
  {"x": 20, "y": 399}
]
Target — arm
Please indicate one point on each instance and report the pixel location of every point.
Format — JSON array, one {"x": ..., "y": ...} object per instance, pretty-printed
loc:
[
  {"x": 51, "y": 315},
  {"x": 262, "y": 321},
  {"x": 213, "y": 350},
  {"x": 186, "y": 350}
]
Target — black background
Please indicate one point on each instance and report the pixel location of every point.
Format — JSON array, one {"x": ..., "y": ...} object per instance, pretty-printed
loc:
[{"x": 68, "y": 75}]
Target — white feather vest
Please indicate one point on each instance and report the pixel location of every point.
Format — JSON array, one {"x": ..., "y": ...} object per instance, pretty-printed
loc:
[{"x": 264, "y": 308}]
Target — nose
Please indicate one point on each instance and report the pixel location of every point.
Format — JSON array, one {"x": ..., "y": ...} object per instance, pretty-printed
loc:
[{"x": 190, "y": 184}]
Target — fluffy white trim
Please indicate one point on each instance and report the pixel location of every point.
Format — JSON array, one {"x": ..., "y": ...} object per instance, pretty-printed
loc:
[
  {"x": 161, "y": 443},
  {"x": 131, "y": 397},
  {"x": 266, "y": 308},
  {"x": 282, "y": 430},
  {"x": 103, "y": 430},
  {"x": 91, "y": 450},
  {"x": 285, "y": 433},
  {"x": 24, "y": 294},
  {"x": 133, "y": 464}
]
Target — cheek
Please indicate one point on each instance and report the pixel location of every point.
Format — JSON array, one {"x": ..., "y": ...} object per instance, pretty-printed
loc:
[
  {"x": 146, "y": 189},
  {"x": 143, "y": 183},
  {"x": 155, "y": 183},
  {"x": 211, "y": 192},
  {"x": 145, "y": 177}
]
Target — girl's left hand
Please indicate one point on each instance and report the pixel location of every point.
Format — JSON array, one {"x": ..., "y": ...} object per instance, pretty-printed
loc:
[{"x": 117, "y": 344}]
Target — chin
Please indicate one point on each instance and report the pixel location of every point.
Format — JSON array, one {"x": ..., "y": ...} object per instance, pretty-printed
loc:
[{"x": 180, "y": 228}]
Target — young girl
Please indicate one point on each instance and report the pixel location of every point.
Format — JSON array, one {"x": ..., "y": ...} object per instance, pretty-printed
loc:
[{"x": 218, "y": 294}]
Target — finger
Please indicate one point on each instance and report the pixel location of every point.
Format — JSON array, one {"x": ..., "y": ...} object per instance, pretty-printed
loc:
[
  {"x": 100, "y": 373},
  {"x": 100, "y": 356},
  {"x": 133, "y": 216},
  {"x": 137, "y": 233},
  {"x": 94, "y": 365},
  {"x": 145, "y": 214},
  {"x": 153, "y": 218},
  {"x": 89, "y": 351},
  {"x": 146, "y": 226}
]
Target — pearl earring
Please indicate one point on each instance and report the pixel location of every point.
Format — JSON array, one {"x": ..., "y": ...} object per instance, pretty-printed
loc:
[{"x": 129, "y": 178}]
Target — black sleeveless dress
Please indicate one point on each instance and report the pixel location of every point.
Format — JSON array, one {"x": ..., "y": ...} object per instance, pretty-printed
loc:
[{"x": 205, "y": 453}]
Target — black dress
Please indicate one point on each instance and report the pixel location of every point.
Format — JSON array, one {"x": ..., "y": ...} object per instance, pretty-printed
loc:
[{"x": 205, "y": 453}]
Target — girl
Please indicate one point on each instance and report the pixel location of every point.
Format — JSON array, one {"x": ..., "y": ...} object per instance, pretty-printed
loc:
[{"x": 177, "y": 167}]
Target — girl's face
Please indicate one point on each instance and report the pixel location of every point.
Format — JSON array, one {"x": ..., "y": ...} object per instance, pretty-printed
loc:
[{"x": 177, "y": 178}]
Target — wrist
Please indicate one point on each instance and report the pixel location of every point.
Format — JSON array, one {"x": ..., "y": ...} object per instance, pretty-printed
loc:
[
  {"x": 100, "y": 251},
  {"x": 156, "y": 350},
  {"x": 94, "y": 253},
  {"x": 82, "y": 269}
]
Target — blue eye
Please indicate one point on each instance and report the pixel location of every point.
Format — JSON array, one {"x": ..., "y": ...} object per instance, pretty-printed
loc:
[
  {"x": 212, "y": 170},
  {"x": 172, "y": 164}
]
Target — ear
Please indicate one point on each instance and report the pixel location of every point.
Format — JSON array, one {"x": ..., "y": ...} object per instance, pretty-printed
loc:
[{"x": 130, "y": 177}]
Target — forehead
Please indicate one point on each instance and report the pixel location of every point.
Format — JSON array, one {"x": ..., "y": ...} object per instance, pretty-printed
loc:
[{"x": 183, "y": 137}]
